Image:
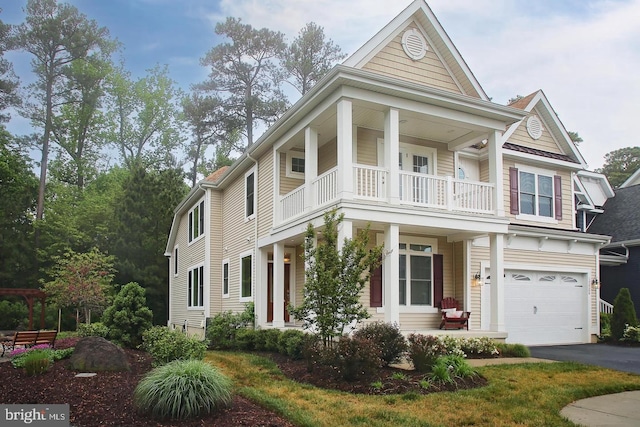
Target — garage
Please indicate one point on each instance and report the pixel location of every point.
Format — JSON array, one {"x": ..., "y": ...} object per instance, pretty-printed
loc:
[{"x": 543, "y": 308}]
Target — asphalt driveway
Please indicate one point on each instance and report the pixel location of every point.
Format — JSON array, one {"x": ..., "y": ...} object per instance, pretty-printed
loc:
[{"x": 621, "y": 358}]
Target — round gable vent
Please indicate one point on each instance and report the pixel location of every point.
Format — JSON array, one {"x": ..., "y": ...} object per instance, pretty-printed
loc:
[
  {"x": 534, "y": 127},
  {"x": 414, "y": 44}
]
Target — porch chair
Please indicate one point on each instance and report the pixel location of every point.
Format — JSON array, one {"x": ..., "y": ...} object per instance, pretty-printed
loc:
[{"x": 452, "y": 318}]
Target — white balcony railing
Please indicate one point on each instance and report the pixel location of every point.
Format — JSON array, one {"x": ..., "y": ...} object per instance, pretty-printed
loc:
[
  {"x": 325, "y": 187},
  {"x": 606, "y": 307},
  {"x": 371, "y": 183}
]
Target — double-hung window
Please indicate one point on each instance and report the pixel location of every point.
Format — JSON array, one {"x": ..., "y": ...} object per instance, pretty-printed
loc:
[
  {"x": 416, "y": 273},
  {"x": 246, "y": 276},
  {"x": 535, "y": 194},
  {"x": 225, "y": 278},
  {"x": 195, "y": 297},
  {"x": 250, "y": 194},
  {"x": 295, "y": 164},
  {"x": 196, "y": 221}
]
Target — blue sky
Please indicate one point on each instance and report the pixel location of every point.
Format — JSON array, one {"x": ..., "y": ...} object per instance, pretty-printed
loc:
[{"x": 584, "y": 54}]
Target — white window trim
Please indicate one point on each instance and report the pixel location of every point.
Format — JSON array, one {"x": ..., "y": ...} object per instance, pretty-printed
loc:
[
  {"x": 408, "y": 240},
  {"x": 189, "y": 272},
  {"x": 538, "y": 171},
  {"x": 255, "y": 193},
  {"x": 175, "y": 265},
  {"x": 189, "y": 215},
  {"x": 226, "y": 262},
  {"x": 290, "y": 173},
  {"x": 244, "y": 255}
]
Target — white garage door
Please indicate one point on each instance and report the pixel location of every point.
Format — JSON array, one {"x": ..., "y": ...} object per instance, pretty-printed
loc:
[{"x": 545, "y": 307}]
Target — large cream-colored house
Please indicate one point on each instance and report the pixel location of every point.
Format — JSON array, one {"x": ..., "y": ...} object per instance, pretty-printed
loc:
[{"x": 471, "y": 199}]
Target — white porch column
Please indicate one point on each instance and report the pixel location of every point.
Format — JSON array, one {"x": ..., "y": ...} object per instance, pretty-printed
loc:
[
  {"x": 260, "y": 301},
  {"x": 496, "y": 248},
  {"x": 278, "y": 285},
  {"x": 496, "y": 172},
  {"x": 345, "y": 231},
  {"x": 344, "y": 147},
  {"x": 310, "y": 166},
  {"x": 391, "y": 273},
  {"x": 391, "y": 150}
]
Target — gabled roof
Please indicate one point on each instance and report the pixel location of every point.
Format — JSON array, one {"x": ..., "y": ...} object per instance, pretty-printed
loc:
[
  {"x": 538, "y": 101},
  {"x": 620, "y": 219},
  {"x": 419, "y": 12},
  {"x": 634, "y": 179}
]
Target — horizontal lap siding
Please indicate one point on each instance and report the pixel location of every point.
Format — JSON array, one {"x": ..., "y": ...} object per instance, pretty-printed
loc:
[
  {"x": 215, "y": 238},
  {"x": 546, "y": 142},
  {"x": 444, "y": 157},
  {"x": 238, "y": 237},
  {"x": 478, "y": 255},
  {"x": 419, "y": 321},
  {"x": 287, "y": 184},
  {"x": 327, "y": 156},
  {"x": 367, "y": 148},
  {"x": 393, "y": 61}
]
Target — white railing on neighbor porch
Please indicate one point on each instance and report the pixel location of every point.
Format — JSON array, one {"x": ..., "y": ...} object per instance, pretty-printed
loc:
[
  {"x": 292, "y": 204},
  {"x": 325, "y": 187},
  {"x": 370, "y": 182},
  {"x": 606, "y": 307}
]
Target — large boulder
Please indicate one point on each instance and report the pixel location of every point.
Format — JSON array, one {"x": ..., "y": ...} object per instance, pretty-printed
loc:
[{"x": 96, "y": 354}]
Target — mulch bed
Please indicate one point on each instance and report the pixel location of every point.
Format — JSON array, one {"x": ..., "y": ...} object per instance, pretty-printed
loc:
[{"x": 106, "y": 399}]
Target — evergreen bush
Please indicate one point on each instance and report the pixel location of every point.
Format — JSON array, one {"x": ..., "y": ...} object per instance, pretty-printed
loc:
[
  {"x": 14, "y": 314},
  {"x": 387, "y": 337},
  {"x": 513, "y": 350},
  {"x": 96, "y": 329},
  {"x": 165, "y": 345},
  {"x": 605, "y": 326},
  {"x": 223, "y": 327},
  {"x": 355, "y": 357},
  {"x": 291, "y": 343},
  {"x": 128, "y": 317},
  {"x": 624, "y": 314},
  {"x": 183, "y": 389}
]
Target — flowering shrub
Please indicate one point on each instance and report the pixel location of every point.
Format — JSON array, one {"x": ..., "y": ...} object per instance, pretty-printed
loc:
[
  {"x": 388, "y": 337},
  {"x": 22, "y": 350},
  {"x": 425, "y": 349},
  {"x": 631, "y": 334},
  {"x": 68, "y": 342},
  {"x": 482, "y": 346}
]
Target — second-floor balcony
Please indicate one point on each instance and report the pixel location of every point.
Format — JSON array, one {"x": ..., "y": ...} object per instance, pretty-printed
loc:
[{"x": 372, "y": 184}]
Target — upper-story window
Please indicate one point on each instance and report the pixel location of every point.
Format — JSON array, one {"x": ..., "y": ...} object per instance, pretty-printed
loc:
[
  {"x": 196, "y": 221},
  {"x": 250, "y": 194},
  {"x": 535, "y": 194},
  {"x": 175, "y": 261},
  {"x": 295, "y": 164},
  {"x": 195, "y": 288}
]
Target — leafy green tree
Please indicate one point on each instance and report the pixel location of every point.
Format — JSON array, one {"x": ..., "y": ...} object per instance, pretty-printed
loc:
[
  {"x": 334, "y": 279},
  {"x": 128, "y": 317},
  {"x": 56, "y": 35},
  {"x": 624, "y": 313},
  {"x": 18, "y": 194},
  {"x": 210, "y": 125},
  {"x": 310, "y": 56},
  {"x": 620, "y": 164},
  {"x": 8, "y": 80},
  {"x": 81, "y": 281},
  {"x": 575, "y": 137},
  {"x": 143, "y": 118},
  {"x": 246, "y": 74},
  {"x": 143, "y": 214}
]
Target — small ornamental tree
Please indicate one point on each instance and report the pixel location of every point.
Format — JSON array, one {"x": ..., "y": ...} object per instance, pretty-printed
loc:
[
  {"x": 334, "y": 279},
  {"x": 81, "y": 281},
  {"x": 624, "y": 314},
  {"x": 128, "y": 317}
]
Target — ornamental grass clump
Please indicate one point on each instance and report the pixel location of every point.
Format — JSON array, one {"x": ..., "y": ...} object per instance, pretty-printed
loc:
[
  {"x": 36, "y": 362},
  {"x": 182, "y": 389}
]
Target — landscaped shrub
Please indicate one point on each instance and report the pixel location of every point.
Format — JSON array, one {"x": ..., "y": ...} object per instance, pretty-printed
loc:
[
  {"x": 354, "y": 357},
  {"x": 624, "y": 314},
  {"x": 605, "y": 326},
  {"x": 478, "y": 347},
  {"x": 271, "y": 337},
  {"x": 387, "y": 337},
  {"x": 291, "y": 343},
  {"x": 96, "y": 329},
  {"x": 128, "y": 317},
  {"x": 245, "y": 339},
  {"x": 631, "y": 334},
  {"x": 67, "y": 342},
  {"x": 446, "y": 368},
  {"x": 19, "y": 355},
  {"x": 223, "y": 327},
  {"x": 425, "y": 349},
  {"x": 166, "y": 345},
  {"x": 36, "y": 362},
  {"x": 513, "y": 350},
  {"x": 183, "y": 389}
]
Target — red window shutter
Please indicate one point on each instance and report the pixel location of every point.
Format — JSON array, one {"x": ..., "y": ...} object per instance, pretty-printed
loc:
[
  {"x": 438, "y": 279},
  {"x": 513, "y": 191},
  {"x": 557, "y": 191},
  {"x": 375, "y": 284}
]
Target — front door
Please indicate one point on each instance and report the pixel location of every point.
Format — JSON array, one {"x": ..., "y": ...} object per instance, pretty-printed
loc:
[
  {"x": 287, "y": 291},
  {"x": 418, "y": 160}
]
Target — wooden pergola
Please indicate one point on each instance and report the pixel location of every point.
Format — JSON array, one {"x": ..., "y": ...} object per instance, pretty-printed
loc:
[{"x": 30, "y": 295}]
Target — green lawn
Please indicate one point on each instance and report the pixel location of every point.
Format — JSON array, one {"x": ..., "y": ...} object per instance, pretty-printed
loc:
[{"x": 523, "y": 395}]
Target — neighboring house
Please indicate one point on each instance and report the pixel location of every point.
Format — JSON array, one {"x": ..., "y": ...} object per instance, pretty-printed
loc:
[
  {"x": 472, "y": 200},
  {"x": 620, "y": 259}
]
